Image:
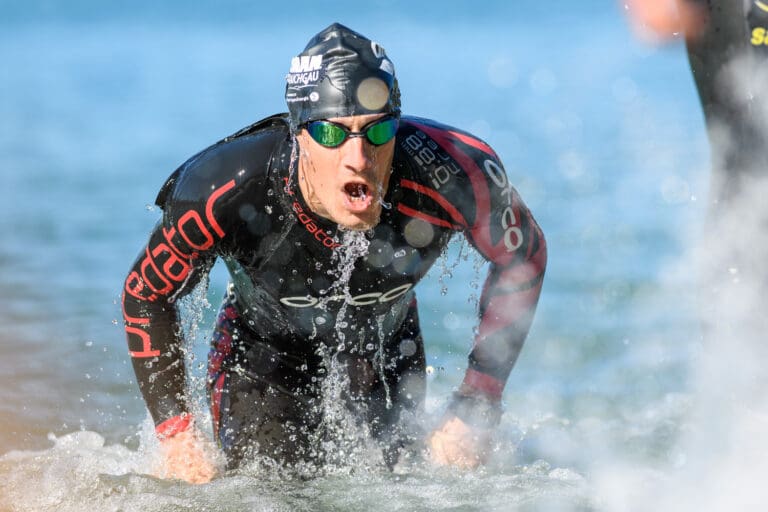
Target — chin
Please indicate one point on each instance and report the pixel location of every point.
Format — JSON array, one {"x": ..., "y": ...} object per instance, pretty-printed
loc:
[
  {"x": 359, "y": 221},
  {"x": 360, "y": 224}
]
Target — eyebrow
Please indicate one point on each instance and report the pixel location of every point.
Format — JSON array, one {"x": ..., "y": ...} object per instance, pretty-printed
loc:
[{"x": 380, "y": 116}]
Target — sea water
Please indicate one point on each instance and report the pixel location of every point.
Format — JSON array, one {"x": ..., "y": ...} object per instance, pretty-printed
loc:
[{"x": 616, "y": 402}]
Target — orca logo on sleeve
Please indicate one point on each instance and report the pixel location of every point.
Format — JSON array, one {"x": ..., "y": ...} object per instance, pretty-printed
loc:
[
  {"x": 513, "y": 235},
  {"x": 365, "y": 299}
]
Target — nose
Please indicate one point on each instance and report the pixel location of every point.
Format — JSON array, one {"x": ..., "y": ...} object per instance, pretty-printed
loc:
[{"x": 356, "y": 154}]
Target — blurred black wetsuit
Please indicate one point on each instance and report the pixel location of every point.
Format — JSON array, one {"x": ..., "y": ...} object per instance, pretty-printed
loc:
[
  {"x": 289, "y": 313},
  {"x": 729, "y": 63},
  {"x": 728, "y": 60}
]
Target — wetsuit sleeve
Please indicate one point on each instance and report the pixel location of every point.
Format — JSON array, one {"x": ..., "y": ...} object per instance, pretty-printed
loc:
[
  {"x": 506, "y": 234},
  {"x": 476, "y": 197},
  {"x": 180, "y": 252},
  {"x": 201, "y": 203}
]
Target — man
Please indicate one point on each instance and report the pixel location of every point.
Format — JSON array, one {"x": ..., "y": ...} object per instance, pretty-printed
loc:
[{"x": 326, "y": 218}]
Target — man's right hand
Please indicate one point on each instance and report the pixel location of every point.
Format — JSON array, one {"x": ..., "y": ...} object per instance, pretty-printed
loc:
[{"x": 187, "y": 456}]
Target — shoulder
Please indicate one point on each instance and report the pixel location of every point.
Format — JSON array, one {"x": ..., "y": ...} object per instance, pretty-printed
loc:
[
  {"x": 416, "y": 133},
  {"x": 239, "y": 160},
  {"x": 221, "y": 175},
  {"x": 437, "y": 152}
]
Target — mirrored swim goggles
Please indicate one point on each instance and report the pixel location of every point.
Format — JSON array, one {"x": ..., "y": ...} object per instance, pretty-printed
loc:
[{"x": 332, "y": 135}]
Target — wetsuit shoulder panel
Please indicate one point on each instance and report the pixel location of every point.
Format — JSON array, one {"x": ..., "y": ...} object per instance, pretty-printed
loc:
[{"x": 262, "y": 129}]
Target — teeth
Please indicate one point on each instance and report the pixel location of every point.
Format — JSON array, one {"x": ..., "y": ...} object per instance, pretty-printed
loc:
[{"x": 357, "y": 191}]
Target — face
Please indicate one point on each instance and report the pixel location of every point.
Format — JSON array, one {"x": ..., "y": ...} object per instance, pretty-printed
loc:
[{"x": 346, "y": 184}]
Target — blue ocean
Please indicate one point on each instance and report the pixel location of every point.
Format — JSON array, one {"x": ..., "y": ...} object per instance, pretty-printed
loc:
[{"x": 610, "y": 405}]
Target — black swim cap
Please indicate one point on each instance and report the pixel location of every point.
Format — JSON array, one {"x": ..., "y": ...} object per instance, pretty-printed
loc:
[{"x": 340, "y": 73}]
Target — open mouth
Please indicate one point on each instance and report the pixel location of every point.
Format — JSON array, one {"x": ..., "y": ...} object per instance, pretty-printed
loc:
[
  {"x": 356, "y": 191},
  {"x": 358, "y": 197}
]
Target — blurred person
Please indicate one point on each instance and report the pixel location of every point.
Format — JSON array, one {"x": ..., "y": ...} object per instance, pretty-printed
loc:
[
  {"x": 727, "y": 45},
  {"x": 727, "y": 49},
  {"x": 326, "y": 218}
]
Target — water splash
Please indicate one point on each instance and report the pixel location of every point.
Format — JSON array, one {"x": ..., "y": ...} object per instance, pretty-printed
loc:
[
  {"x": 380, "y": 361},
  {"x": 380, "y": 194},
  {"x": 458, "y": 252},
  {"x": 344, "y": 442},
  {"x": 341, "y": 436},
  {"x": 192, "y": 309},
  {"x": 293, "y": 163},
  {"x": 82, "y": 472},
  {"x": 354, "y": 245}
]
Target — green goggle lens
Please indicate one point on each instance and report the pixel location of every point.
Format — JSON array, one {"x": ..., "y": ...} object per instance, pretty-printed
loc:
[{"x": 331, "y": 135}]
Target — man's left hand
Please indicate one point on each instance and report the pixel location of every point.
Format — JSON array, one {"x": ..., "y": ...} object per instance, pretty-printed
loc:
[{"x": 457, "y": 444}]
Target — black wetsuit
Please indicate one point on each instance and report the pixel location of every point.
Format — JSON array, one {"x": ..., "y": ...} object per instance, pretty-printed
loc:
[
  {"x": 728, "y": 60},
  {"x": 296, "y": 304},
  {"x": 728, "y": 63}
]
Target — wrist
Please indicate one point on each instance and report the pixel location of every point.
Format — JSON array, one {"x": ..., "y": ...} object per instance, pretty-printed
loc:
[
  {"x": 475, "y": 410},
  {"x": 482, "y": 385},
  {"x": 175, "y": 425}
]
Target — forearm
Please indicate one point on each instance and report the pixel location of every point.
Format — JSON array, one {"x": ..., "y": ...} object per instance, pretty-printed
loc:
[
  {"x": 155, "y": 346},
  {"x": 157, "y": 278},
  {"x": 507, "y": 308}
]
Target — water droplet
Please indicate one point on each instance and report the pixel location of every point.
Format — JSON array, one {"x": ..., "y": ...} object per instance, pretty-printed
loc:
[{"x": 408, "y": 347}]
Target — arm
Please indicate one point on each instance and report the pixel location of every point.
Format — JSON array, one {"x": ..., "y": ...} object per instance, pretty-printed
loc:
[
  {"x": 502, "y": 229},
  {"x": 155, "y": 340},
  {"x": 507, "y": 307},
  {"x": 180, "y": 252}
]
